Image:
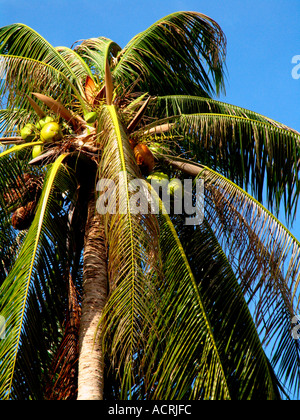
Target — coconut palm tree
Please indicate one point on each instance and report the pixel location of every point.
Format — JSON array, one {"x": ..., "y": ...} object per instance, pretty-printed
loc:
[{"x": 103, "y": 300}]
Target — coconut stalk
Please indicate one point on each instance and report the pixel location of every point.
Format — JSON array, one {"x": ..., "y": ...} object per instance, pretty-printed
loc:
[{"x": 108, "y": 84}]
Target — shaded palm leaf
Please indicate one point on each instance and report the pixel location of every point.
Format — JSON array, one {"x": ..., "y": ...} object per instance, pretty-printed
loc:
[
  {"x": 265, "y": 257},
  {"x": 187, "y": 360},
  {"x": 185, "y": 328},
  {"x": 249, "y": 373}
]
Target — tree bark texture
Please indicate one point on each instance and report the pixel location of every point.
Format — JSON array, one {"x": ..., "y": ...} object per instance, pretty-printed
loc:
[{"x": 91, "y": 360}]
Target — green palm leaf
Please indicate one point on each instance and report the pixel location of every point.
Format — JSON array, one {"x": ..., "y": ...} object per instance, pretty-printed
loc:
[
  {"x": 250, "y": 149},
  {"x": 168, "y": 57},
  {"x": 202, "y": 312},
  {"x": 265, "y": 258},
  {"x": 185, "y": 328},
  {"x": 268, "y": 271},
  {"x": 21, "y": 41},
  {"x": 19, "y": 147},
  {"x": 21, "y": 76},
  {"x": 16, "y": 288},
  {"x": 133, "y": 251},
  {"x": 96, "y": 52}
]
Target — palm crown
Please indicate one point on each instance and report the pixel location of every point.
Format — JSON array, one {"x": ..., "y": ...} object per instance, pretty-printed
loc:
[{"x": 170, "y": 311}]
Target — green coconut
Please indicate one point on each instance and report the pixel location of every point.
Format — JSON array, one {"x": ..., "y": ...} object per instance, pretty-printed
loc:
[
  {"x": 159, "y": 177},
  {"x": 28, "y": 132},
  {"x": 37, "y": 150},
  {"x": 51, "y": 132},
  {"x": 156, "y": 148},
  {"x": 44, "y": 121}
]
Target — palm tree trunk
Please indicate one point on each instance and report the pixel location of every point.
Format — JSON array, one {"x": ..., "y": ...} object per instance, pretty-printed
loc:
[{"x": 91, "y": 363}]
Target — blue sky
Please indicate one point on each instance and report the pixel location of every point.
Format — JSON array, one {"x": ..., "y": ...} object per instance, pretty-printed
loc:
[{"x": 263, "y": 36}]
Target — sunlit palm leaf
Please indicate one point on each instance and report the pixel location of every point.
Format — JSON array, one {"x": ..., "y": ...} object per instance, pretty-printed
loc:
[
  {"x": 12, "y": 186},
  {"x": 22, "y": 76},
  {"x": 21, "y": 41},
  {"x": 15, "y": 290},
  {"x": 180, "y": 53},
  {"x": 133, "y": 249},
  {"x": 187, "y": 104},
  {"x": 234, "y": 329},
  {"x": 76, "y": 63},
  {"x": 96, "y": 51},
  {"x": 255, "y": 152},
  {"x": 176, "y": 323}
]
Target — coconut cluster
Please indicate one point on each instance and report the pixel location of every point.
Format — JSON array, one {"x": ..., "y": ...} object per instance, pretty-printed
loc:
[
  {"x": 23, "y": 199},
  {"x": 173, "y": 186},
  {"x": 46, "y": 130},
  {"x": 145, "y": 159}
]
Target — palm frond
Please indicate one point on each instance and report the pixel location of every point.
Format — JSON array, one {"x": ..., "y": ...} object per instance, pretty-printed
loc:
[
  {"x": 187, "y": 104},
  {"x": 133, "y": 250},
  {"x": 251, "y": 149},
  {"x": 187, "y": 353},
  {"x": 180, "y": 53},
  {"x": 76, "y": 63},
  {"x": 249, "y": 372},
  {"x": 266, "y": 259},
  {"x": 21, "y": 41},
  {"x": 109, "y": 87},
  {"x": 21, "y": 76},
  {"x": 16, "y": 288},
  {"x": 248, "y": 151},
  {"x": 96, "y": 51}
]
